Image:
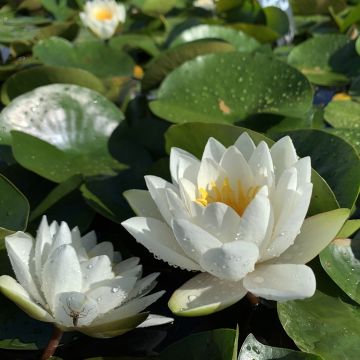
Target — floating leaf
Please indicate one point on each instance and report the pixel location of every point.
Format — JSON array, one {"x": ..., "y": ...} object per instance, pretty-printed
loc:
[
  {"x": 246, "y": 84},
  {"x": 238, "y": 39},
  {"x": 135, "y": 41},
  {"x": 343, "y": 114},
  {"x": 62, "y": 131},
  {"x": 96, "y": 57}
]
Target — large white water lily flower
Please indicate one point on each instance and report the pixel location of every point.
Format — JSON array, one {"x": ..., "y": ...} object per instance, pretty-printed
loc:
[
  {"x": 238, "y": 217},
  {"x": 103, "y": 17},
  {"x": 77, "y": 284}
]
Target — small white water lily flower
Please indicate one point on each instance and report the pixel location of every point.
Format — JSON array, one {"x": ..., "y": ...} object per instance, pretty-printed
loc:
[
  {"x": 205, "y": 4},
  {"x": 238, "y": 217},
  {"x": 103, "y": 17},
  {"x": 77, "y": 284}
]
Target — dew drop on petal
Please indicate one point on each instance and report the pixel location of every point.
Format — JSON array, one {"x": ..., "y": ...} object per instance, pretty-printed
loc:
[
  {"x": 114, "y": 290},
  {"x": 191, "y": 297}
]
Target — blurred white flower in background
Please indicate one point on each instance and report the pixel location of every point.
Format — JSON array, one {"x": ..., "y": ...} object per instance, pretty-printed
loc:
[
  {"x": 205, "y": 4},
  {"x": 103, "y": 17},
  {"x": 237, "y": 216},
  {"x": 77, "y": 284}
]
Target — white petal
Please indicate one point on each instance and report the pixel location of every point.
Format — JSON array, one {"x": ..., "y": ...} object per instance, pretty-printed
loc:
[
  {"x": 175, "y": 204},
  {"x": 89, "y": 240},
  {"x": 157, "y": 188},
  {"x": 281, "y": 282},
  {"x": 78, "y": 244},
  {"x": 194, "y": 240},
  {"x": 42, "y": 245},
  {"x": 214, "y": 150},
  {"x": 156, "y": 320},
  {"x": 126, "y": 265},
  {"x": 74, "y": 309},
  {"x": 111, "y": 293},
  {"x": 315, "y": 234},
  {"x": 61, "y": 273},
  {"x": 20, "y": 248},
  {"x": 16, "y": 293},
  {"x": 205, "y": 294},
  {"x": 142, "y": 203},
  {"x": 255, "y": 220},
  {"x": 134, "y": 272},
  {"x": 129, "y": 309},
  {"x": 103, "y": 248},
  {"x": 183, "y": 165},
  {"x": 158, "y": 238},
  {"x": 54, "y": 227},
  {"x": 144, "y": 286},
  {"x": 289, "y": 223},
  {"x": 62, "y": 237},
  {"x": 188, "y": 192},
  {"x": 237, "y": 169},
  {"x": 262, "y": 166},
  {"x": 283, "y": 154},
  {"x": 220, "y": 220},
  {"x": 245, "y": 145},
  {"x": 96, "y": 269},
  {"x": 209, "y": 173},
  {"x": 303, "y": 167},
  {"x": 232, "y": 261}
]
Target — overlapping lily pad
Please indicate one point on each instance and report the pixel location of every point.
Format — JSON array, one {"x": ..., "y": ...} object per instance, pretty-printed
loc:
[
  {"x": 246, "y": 84},
  {"x": 61, "y": 130}
]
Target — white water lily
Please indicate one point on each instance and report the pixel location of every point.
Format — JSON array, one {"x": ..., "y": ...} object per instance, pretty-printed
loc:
[
  {"x": 238, "y": 217},
  {"x": 103, "y": 17},
  {"x": 205, "y": 4},
  {"x": 77, "y": 284}
]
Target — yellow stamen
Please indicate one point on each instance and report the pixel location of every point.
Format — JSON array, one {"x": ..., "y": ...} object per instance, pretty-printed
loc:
[
  {"x": 103, "y": 14},
  {"x": 238, "y": 200}
]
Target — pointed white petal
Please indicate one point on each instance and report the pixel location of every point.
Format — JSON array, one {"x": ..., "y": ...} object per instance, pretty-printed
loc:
[
  {"x": 245, "y": 145},
  {"x": 214, "y": 150},
  {"x": 281, "y": 282},
  {"x": 255, "y": 220},
  {"x": 89, "y": 240},
  {"x": 143, "y": 286},
  {"x": 105, "y": 248},
  {"x": 129, "y": 309},
  {"x": 126, "y": 265},
  {"x": 183, "y": 165},
  {"x": 237, "y": 169},
  {"x": 175, "y": 204},
  {"x": 16, "y": 293},
  {"x": 78, "y": 244},
  {"x": 205, "y": 294},
  {"x": 134, "y": 272},
  {"x": 20, "y": 248},
  {"x": 96, "y": 269},
  {"x": 220, "y": 220},
  {"x": 42, "y": 245},
  {"x": 61, "y": 273},
  {"x": 303, "y": 167},
  {"x": 142, "y": 203},
  {"x": 209, "y": 173},
  {"x": 194, "y": 240},
  {"x": 74, "y": 310},
  {"x": 111, "y": 293},
  {"x": 315, "y": 234},
  {"x": 232, "y": 261},
  {"x": 158, "y": 238},
  {"x": 188, "y": 193},
  {"x": 157, "y": 188},
  {"x": 283, "y": 154},
  {"x": 156, "y": 320},
  {"x": 54, "y": 227},
  {"x": 62, "y": 237}
]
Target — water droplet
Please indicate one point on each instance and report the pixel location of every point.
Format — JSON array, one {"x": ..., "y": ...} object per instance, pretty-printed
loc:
[
  {"x": 256, "y": 350},
  {"x": 115, "y": 290},
  {"x": 99, "y": 299},
  {"x": 90, "y": 266},
  {"x": 191, "y": 297}
]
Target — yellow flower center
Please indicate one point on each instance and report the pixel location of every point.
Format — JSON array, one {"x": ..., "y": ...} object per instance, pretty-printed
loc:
[
  {"x": 238, "y": 200},
  {"x": 103, "y": 14},
  {"x": 341, "y": 97}
]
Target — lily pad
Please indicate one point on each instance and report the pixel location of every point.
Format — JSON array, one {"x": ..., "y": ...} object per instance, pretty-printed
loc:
[
  {"x": 329, "y": 60},
  {"x": 246, "y": 84},
  {"x": 135, "y": 41},
  {"x": 192, "y": 137},
  {"x": 238, "y": 39},
  {"x": 334, "y": 159},
  {"x": 32, "y": 78},
  {"x": 343, "y": 114},
  {"x": 159, "y": 67},
  {"x": 350, "y": 135},
  {"x": 14, "y": 207},
  {"x": 341, "y": 260},
  {"x": 96, "y": 57},
  {"x": 315, "y": 325},
  {"x": 62, "y": 130},
  {"x": 255, "y": 350}
]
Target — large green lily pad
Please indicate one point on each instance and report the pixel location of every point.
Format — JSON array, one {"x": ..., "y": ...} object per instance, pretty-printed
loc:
[
  {"x": 192, "y": 137},
  {"x": 29, "y": 79},
  {"x": 343, "y": 114},
  {"x": 246, "y": 84},
  {"x": 61, "y": 130},
  {"x": 97, "y": 57},
  {"x": 237, "y": 38},
  {"x": 341, "y": 260},
  {"x": 350, "y": 135},
  {"x": 329, "y": 60},
  {"x": 255, "y": 350}
]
